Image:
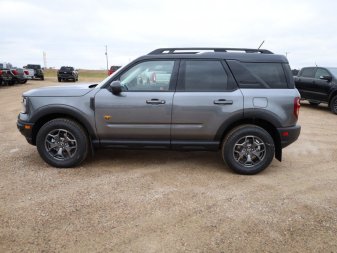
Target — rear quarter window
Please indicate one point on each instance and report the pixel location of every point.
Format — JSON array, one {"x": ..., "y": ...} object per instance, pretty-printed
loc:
[{"x": 252, "y": 75}]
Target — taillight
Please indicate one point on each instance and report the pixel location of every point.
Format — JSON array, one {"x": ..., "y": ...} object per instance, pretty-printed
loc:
[
  {"x": 297, "y": 106},
  {"x": 15, "y": 72},
  {"x": 26, "y": 72},
  {"x": 0, "y": 72}
]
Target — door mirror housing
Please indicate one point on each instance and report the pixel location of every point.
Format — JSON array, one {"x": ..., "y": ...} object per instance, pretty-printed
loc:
[
  {"x": 327, "y": 78},
  {"x": 115, "y": 87}
]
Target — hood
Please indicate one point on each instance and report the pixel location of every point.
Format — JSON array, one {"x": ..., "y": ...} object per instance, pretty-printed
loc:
[{"x": 61, "y": 91}]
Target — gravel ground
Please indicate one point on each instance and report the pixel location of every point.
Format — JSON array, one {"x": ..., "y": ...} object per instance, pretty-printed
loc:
[{"x": 166, "y": 201}]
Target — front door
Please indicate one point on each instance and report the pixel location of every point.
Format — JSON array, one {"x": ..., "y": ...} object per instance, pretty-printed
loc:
[
  {"x": 322, "y": 87},
  {"x": 141, "y": 114}
]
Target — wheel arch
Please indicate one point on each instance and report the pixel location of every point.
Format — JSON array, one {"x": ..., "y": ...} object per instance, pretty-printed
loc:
[
  {"x": 332, "y": 95},
  {"x": 261, "y": 122},
  {"x": 49, "y": 113}
]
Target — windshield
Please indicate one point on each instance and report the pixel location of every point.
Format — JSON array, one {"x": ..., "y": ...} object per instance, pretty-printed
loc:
[
  {"x": 67, "y": 69},
  {"x": 333, "y": 71}
]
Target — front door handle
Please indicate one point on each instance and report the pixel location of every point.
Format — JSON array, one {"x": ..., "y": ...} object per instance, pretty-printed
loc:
[
  {"x": 155, "y": 101},
  {"x": 223, "y": 102}
]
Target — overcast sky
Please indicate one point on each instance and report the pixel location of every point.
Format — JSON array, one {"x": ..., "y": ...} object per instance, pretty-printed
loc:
[{"x": 75, "y": 32}]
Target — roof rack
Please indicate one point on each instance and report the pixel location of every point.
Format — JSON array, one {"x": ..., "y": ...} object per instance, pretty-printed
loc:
[{"x": 196, "y": 50}]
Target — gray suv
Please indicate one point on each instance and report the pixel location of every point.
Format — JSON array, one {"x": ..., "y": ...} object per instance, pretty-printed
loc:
[{"x": 241, "y": 102}]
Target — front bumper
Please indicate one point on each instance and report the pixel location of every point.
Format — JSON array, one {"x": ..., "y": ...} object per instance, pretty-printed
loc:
[
  {"x": 26, "y": 129},
  {"x": 289, "y": 134}
]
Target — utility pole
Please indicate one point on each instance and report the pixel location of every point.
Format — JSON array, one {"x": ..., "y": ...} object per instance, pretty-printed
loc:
[
  {"x": 107, "y": 60},
  {"x": 287, "y": 54},
  {"x": 45, "y": 59}
]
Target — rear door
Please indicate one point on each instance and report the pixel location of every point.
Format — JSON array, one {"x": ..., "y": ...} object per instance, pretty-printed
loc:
[{"x": 206, "y": 96}]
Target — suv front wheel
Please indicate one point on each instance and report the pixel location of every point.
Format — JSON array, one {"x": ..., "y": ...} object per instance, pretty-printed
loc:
[
  {"x": 62, "y": 143},
  {"x": 248, "y": 149}
]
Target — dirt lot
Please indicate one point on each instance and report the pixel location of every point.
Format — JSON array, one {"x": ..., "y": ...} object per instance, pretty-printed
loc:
[{"x": 165, "y": 201}]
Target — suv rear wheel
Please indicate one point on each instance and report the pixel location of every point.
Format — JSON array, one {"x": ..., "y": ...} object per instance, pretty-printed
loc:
[
  {"x": 248, "y": 149},
  {"x": 62, "y": 143}
]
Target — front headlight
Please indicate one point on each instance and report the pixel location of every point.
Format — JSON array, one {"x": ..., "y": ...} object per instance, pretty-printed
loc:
[{"x": 24, "y": 105}]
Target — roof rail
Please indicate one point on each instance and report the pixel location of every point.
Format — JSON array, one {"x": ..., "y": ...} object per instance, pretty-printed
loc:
[{"x": 196, "y": 50}]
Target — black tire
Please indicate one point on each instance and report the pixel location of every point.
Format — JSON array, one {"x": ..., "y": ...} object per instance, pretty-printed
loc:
[
  {"x": 67, "y": 142},
  {"x": 333, "y": 104},
  {"x": 257, "y": 139},
  {"x": 23, "y": 81},
  {"x": 59, "y": 79},
  {"x": 42, "y": 78},
  {"x": 314, "y": 103}
]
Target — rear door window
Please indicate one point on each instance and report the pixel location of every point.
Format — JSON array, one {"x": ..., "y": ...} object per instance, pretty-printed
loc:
[
  {"x": 202, "y": 75},
  {"x": 308, "y": 72}
]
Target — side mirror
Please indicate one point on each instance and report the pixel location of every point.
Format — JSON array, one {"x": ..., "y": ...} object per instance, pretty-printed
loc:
[
  {"x": 327, "y": 78},
  {"x": 115, "y": 87}
]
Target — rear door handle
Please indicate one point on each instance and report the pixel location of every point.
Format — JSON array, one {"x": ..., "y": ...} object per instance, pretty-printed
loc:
[
  {"x": 223, "y": 102},
  {"x": 155, "y": 101}
]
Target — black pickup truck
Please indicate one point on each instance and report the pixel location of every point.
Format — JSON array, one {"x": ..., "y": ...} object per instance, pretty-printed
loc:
[
  {"x": 318, "y": 85},
  {"x": 66, "y": 73}
]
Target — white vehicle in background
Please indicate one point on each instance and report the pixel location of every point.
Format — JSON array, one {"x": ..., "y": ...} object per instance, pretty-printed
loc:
[
  {"x": 28, "y": 73},
  {"x": 37, "y": 71}
]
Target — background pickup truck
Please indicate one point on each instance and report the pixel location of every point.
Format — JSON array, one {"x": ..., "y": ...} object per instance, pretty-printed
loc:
[
  {"x": 113, "y": 69},
  {"x": 5, "y": 77},
  {"x": 318, "y": 85},
  {"x": 67, "y": 73},
  {"x": 38, "y": 73},
  {"x": 11, "y": 75}
]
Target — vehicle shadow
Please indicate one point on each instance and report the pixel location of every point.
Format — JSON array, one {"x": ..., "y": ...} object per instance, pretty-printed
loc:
[
  {"x": 320, "y": 107},
  {"x": 134, "y": 159}
]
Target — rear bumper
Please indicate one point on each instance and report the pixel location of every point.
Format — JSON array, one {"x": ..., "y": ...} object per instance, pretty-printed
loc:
[
  {"x": 26, "y": 129},
  {"x": 289, "y": 134},
  {"x": 68, "y": 76}
]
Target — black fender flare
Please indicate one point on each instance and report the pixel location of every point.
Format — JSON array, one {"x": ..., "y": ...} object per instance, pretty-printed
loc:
[
  {"x": 261, "y": 117},
  {"x": 67, "y": 110}
]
